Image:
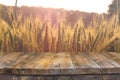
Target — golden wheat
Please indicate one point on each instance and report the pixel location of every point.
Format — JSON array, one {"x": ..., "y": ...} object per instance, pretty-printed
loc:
[{"x": 40, "y": 36}]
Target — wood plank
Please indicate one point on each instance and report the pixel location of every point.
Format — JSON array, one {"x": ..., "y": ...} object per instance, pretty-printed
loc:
[
  {"x": 75, "y": 77},
  {"x": 38, "y": 65},
  {"x": 117, "y": 55},
  {"x": 8, "y": 59},
  {"x": 113, "y": 57},
  {"x": 66, "y": 65},
  {"x": 84, "y": 65},
  {"x": 61, "y": 64},
  {"x": 115, "y": 60},
  {"x": 21, "y": 61},
  {"x": 108, "y": 66},
  {"x": 91, "y": 62},
  {"x": 101, "y": 60}
]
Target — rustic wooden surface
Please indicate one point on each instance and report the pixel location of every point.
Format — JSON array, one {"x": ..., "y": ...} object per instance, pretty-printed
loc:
[
  {"x": 60, "y": 65},
  {"x": 75, "y": 77}
]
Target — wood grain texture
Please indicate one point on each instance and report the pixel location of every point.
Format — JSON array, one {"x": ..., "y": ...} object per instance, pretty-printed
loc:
[
  {"x": 107, "y": 65},
  {"x": 84, "y": 65},
  {"x": 8, "y": 59},
  {"x": 59, "y": 64},
  {"x": 67, "y": 77}
]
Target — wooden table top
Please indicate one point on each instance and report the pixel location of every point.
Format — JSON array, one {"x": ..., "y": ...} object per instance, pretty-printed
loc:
[{"x": 59, "y": 63}]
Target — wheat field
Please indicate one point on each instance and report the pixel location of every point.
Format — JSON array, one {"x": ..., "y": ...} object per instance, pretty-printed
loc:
[{"x": 40, "y": 36}]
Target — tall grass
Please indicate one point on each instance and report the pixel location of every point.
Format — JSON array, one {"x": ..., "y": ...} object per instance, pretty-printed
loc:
[{"x": 28, "y": 35}]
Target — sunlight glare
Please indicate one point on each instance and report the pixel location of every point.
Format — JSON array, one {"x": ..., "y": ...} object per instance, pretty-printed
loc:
[{"x": 99, "y": 6}]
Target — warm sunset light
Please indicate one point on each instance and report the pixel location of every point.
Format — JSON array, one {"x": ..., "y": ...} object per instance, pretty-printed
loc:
[
  {"x": 99, "y": 6},
  {"x": 59, "y": 39}
]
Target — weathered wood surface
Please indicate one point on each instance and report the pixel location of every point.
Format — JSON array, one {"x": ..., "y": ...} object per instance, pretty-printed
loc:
[
  {"x": 59, "y": 63},
  {"x": 75, "y": 77}
]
